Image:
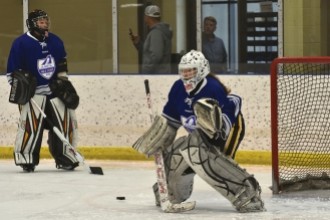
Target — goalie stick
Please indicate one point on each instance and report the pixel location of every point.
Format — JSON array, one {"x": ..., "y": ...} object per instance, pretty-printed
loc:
[
  {"x": 80, "y": 158},
  {"x": 165, "y": 204}
]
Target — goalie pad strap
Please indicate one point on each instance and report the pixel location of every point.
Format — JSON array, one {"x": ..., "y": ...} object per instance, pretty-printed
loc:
[
  {"x": 159, "y": 135},
  {"x": 223, "y": 174},
  {"x": 23, "y": 87}
]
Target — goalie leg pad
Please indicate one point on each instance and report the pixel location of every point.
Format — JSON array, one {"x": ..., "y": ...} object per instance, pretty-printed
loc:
[
  {"x": 29, "y": 133},
  {"x": 223, "y": 174},
  {"x": 65, "y": 120},
  {"x": 180, "y": 177},
  {"x": 159, "y": 135}
]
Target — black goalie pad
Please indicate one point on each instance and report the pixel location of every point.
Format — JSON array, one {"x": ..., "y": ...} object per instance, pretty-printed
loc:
[
  {"x": 23, "y": 87},
  {"x": 64, "y": 90}
]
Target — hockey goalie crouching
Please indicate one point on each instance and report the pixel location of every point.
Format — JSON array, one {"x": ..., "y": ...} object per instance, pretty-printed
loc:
[
  {"x": 37, "y": 69},
  {"x": 213, "y": 118}
]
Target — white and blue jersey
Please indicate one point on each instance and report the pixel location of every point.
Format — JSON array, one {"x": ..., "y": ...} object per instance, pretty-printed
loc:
[
  {"x": 37, "y": 58},
  {"x": 179, "y": 107}
]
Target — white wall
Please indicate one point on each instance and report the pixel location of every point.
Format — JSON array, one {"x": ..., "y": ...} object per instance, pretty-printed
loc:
[{"x": 113, "y": 109}]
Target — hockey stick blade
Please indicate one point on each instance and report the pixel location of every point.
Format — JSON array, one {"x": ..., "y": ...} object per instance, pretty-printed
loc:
[
  {"x": 90, "y": 169},
  {"x": 80, "y": 158},
  {"x": 96, "y": 170},
  {"x": 165, "y": 204}
]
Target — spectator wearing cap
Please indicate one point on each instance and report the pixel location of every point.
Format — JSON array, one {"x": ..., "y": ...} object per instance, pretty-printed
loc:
[
  {"x": 213, "y": 47},
  {"x": 156, "y": 48}
]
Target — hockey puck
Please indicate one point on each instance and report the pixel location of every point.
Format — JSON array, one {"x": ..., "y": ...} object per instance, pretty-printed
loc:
[{"x": 120, "y": 198}]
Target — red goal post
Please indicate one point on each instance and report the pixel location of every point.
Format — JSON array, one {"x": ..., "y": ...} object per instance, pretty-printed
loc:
[{"x": 300, "y": 123}]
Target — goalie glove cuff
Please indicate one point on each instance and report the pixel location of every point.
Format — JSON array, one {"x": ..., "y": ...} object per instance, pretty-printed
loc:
[{"x": 226, "y": 127}]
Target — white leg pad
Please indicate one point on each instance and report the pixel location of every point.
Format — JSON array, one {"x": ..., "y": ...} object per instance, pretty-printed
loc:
[
  {"x": 223, "y": 174},
  {"x": 180, "y": 180},
  {"x": 29, "y": 133},
  {"x": 65, "y": 120}
]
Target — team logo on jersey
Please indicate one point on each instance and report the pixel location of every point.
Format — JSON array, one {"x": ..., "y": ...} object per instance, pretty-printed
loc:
[
  {"x": 189, "y": 123},
  {"x": 43, "y": 45},
  {"x": 189, "y": 101},
  {"x": 46, "y": 66}
]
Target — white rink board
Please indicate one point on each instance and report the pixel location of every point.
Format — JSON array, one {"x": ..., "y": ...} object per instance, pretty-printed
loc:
[{"x": 113, "y": 109}]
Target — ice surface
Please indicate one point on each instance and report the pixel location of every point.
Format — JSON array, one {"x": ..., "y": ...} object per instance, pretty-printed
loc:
[{"x": 49, "y": 194}]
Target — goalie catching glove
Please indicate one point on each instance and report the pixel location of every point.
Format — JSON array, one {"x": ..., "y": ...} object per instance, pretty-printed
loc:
[
  {"x": 209, "y": 118},
  {"x": 159, "y": 135},
  {"x": 23, "y": 87},
  {"x": 64, "y": 90}
]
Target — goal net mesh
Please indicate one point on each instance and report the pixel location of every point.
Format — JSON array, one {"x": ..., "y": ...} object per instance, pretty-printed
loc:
[{"x": 303, "y": 125}]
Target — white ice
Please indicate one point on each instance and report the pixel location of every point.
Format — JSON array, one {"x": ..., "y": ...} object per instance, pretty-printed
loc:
[{"x": 49, "y": 194}]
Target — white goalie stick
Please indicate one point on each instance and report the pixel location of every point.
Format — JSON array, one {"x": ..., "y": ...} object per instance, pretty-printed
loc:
[
  {"x": 165, "y": 204},
  {"x": 80, "y": 158}
]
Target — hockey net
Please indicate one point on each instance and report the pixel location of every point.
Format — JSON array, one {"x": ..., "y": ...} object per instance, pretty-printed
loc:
[{"x": 300, "y": 118}]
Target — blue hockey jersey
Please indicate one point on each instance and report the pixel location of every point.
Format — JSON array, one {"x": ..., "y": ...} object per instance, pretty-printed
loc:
[
  {"x": 179, "y": 107},
  {"x": 38, "y": 58}
]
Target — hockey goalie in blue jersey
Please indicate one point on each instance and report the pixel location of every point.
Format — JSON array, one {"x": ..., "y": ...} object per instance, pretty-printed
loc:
[
  {"x": 37, "y": 69},
  {"x": 204, "y": 106}
]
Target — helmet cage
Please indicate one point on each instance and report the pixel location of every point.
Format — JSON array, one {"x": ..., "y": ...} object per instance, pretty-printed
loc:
[
  {"x": 193, "y": 60},
  {"x": 32, "y": 21},
  {"x": 191, "y": 81}
]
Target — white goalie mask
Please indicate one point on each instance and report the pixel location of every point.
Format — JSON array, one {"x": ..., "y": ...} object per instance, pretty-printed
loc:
[{"x": 193, "y": 68}]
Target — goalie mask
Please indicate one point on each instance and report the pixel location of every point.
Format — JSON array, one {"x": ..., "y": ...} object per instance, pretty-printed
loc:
[
  {"x": 38, "y": 21},
  {"x": 193, "y": 68}
]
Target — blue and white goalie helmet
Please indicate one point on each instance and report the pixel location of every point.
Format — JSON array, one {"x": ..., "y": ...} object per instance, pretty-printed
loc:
[{"x": 193, "y": 68}]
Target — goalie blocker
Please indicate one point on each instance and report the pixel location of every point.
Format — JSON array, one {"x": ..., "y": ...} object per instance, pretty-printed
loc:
[{"x": 23, "y": 87}]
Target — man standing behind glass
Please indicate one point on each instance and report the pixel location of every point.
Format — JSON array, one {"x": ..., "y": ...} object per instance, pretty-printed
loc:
[
  {"x": 213, "y": 47},
  {"x": 156, "y": 48}
]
